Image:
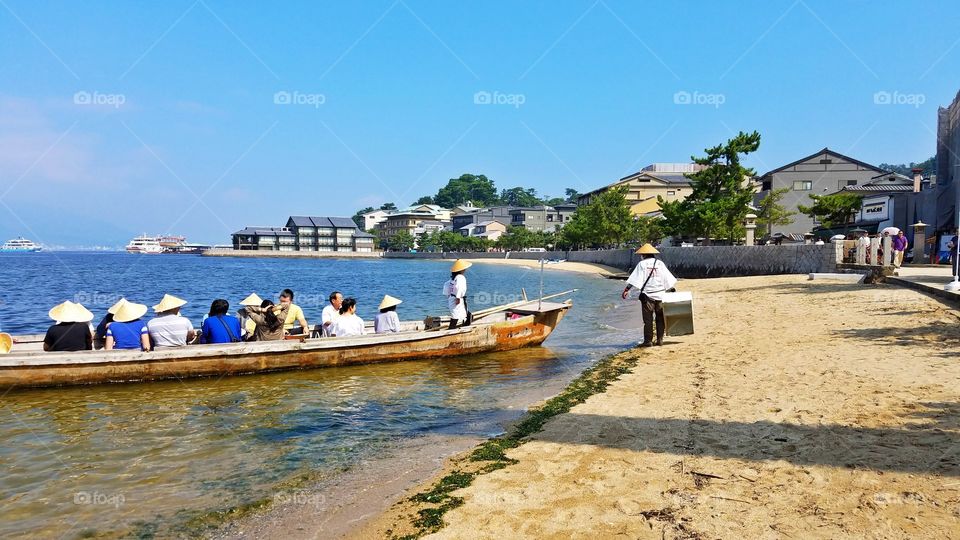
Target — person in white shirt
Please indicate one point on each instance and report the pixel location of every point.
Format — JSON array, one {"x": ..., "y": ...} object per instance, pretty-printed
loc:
[
  {"x": 387, "y": 320},
  {"x": 332, "y": 312},
  {"x": 348, "y": 323},
  {"x": 653, "y": 279},
  {"x": 168, "y": 328},
  {"x": 456, "y": 292}
]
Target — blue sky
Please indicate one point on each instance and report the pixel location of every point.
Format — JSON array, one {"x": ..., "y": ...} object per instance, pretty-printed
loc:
[{"x": 118, "y": 118}]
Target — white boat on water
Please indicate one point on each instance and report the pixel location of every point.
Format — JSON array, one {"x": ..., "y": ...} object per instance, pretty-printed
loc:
[
  {"x": 148, "y": 245},
  {"x": 20, "y": 244}
]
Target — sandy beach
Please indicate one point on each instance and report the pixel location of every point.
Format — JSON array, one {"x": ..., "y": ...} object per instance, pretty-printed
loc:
[
  {"x": 567, "y": 266},
  {"x": 799, "y": 409}
]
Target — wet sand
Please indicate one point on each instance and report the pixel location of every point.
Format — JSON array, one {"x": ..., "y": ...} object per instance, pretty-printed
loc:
[
  {"x": 799, "y": 409},
  {"x": 580, "y": 267}
]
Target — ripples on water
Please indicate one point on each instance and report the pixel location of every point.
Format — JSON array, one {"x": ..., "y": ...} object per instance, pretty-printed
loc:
[{"x": 147, "y": 458}]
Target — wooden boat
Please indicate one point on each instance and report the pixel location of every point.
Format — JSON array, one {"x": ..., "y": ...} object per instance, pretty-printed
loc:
[{"x": 522, "y": 324}]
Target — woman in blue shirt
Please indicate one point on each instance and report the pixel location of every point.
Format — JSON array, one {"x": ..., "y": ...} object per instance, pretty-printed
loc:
[
  {"x": 218, "y": 326},
  {"x": 128, "y": 331}
]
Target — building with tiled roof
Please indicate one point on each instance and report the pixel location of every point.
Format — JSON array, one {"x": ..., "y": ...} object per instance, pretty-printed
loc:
[{"x": 306, "y": 233}]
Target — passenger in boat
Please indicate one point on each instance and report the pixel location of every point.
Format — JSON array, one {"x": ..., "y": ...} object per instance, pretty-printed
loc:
[
  {"x": 128, "y": 331},
  {"x": 653, "y": 279},
  {"x": 387, "y": 320},
  {"x": 332, "y": 312},
  {"x": 456, "y": 292},
  {"x": 247, "y": 326},
  {"x": 168, "y": 328},
  {"x": 348, "y": 323},
  {"x": 294, "y": 314},
  {"x": 72, "y": 331},
  {"x": 100, "y": 335},
  {"x": 219, "y": 327},
  {"x": 268, "y": 320}
]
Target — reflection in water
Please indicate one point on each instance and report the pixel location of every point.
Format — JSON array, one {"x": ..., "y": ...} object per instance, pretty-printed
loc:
[{"x": 147, "y": 458}]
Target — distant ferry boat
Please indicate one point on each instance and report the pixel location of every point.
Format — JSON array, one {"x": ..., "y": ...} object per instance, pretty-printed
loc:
[
  {"x": 20, "y": 244},
  {"x": 164, "y": 244},
  {"x": 144, "y": 244}
]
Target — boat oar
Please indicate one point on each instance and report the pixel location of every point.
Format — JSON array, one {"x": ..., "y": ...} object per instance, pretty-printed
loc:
[{"x": 504, "y": 307}]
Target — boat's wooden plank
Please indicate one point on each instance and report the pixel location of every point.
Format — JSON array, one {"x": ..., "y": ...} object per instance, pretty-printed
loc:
[{"x": 222, "y": 349}]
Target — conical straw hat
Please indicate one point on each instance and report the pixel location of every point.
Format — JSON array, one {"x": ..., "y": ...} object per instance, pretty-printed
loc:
[
  {"x": 6, "y": 343},
  {"x": 168, "y": 302},
  {"x": 460, "y": 264},
  {"x": 252, "y": 300},
  {"x": 70, "y": 312},
  {"x": 647, "y": 249},
  {"x": 129, "y": 311},
  {"x": 389, "y": 301},
  {"x": 113, "y": 309}
]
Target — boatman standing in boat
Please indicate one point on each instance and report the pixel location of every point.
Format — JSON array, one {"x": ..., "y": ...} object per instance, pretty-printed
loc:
[
  {"x": 653, "y": 279},
  {"x": 456, "y": 292}
]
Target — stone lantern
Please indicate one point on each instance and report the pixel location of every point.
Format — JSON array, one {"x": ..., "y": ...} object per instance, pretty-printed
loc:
[
  {"x": 919, "y": 241},
  {"x": 750, "y": 224}
]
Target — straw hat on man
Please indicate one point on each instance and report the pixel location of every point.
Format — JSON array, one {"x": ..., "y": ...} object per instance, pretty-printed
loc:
[
  {"x": 72, "y": 329},
  {"x": 127, "y": 331},
  {"x": 6, "y": 343},
  {"x": 653, "y": 278},
  {"x": 168, "y": 328}
]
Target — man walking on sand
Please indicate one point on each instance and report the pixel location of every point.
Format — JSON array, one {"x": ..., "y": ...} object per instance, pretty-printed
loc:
[
  {"x": 653, "y": 279},
  {"x": 899, "y": 247}
]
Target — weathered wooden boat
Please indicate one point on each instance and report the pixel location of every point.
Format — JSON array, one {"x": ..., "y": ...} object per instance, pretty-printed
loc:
[{"x": 521, "y": 325}]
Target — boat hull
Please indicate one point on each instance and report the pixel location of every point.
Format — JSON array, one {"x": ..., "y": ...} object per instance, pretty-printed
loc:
[{"x": 38, "y": 369}]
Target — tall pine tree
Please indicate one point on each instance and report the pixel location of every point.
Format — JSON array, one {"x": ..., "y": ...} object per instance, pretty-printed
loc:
[{"x": 721, "y": 193}]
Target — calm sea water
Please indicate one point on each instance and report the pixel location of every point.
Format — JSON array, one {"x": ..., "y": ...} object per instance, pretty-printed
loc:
[{"x": 148, "y": 459}]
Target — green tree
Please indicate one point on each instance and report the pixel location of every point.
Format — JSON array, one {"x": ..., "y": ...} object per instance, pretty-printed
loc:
[
  {"x": 572, "y": 194},
  {"x": 647, "y": 229},
  {"x": 402, "y": 241},
  {"x": 516, "y": 239},
  {"x": 929, "y": 167},
  {"x": 358, "y": 217},
  {"x": 553, "y": 201},
  {"x": 605, "y": 222},
  {"x": 721, "y": 193},
  {"x": 519, "y": 196},
  {"x": 833, "y": 210},
  {"x": 426, "y": 199},
  {"x": 468, "y": 187},
  {"x": 772, "y": 212},
  {"x": 388, "y": 207}
]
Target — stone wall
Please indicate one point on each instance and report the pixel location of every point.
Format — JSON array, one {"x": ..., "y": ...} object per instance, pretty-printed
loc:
[
  {"x": 689, "y": 262},
  {"x": 728, "y": 261}
]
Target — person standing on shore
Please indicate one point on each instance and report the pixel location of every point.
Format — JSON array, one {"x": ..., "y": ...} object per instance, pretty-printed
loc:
[
  {"x": 899, "y": 247},
  {"x": 294, "y": 314},
  {"x": 653, "y": 278},
  {"x": 456, "y": 292},
  {"x": 332, "y": 312}
]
